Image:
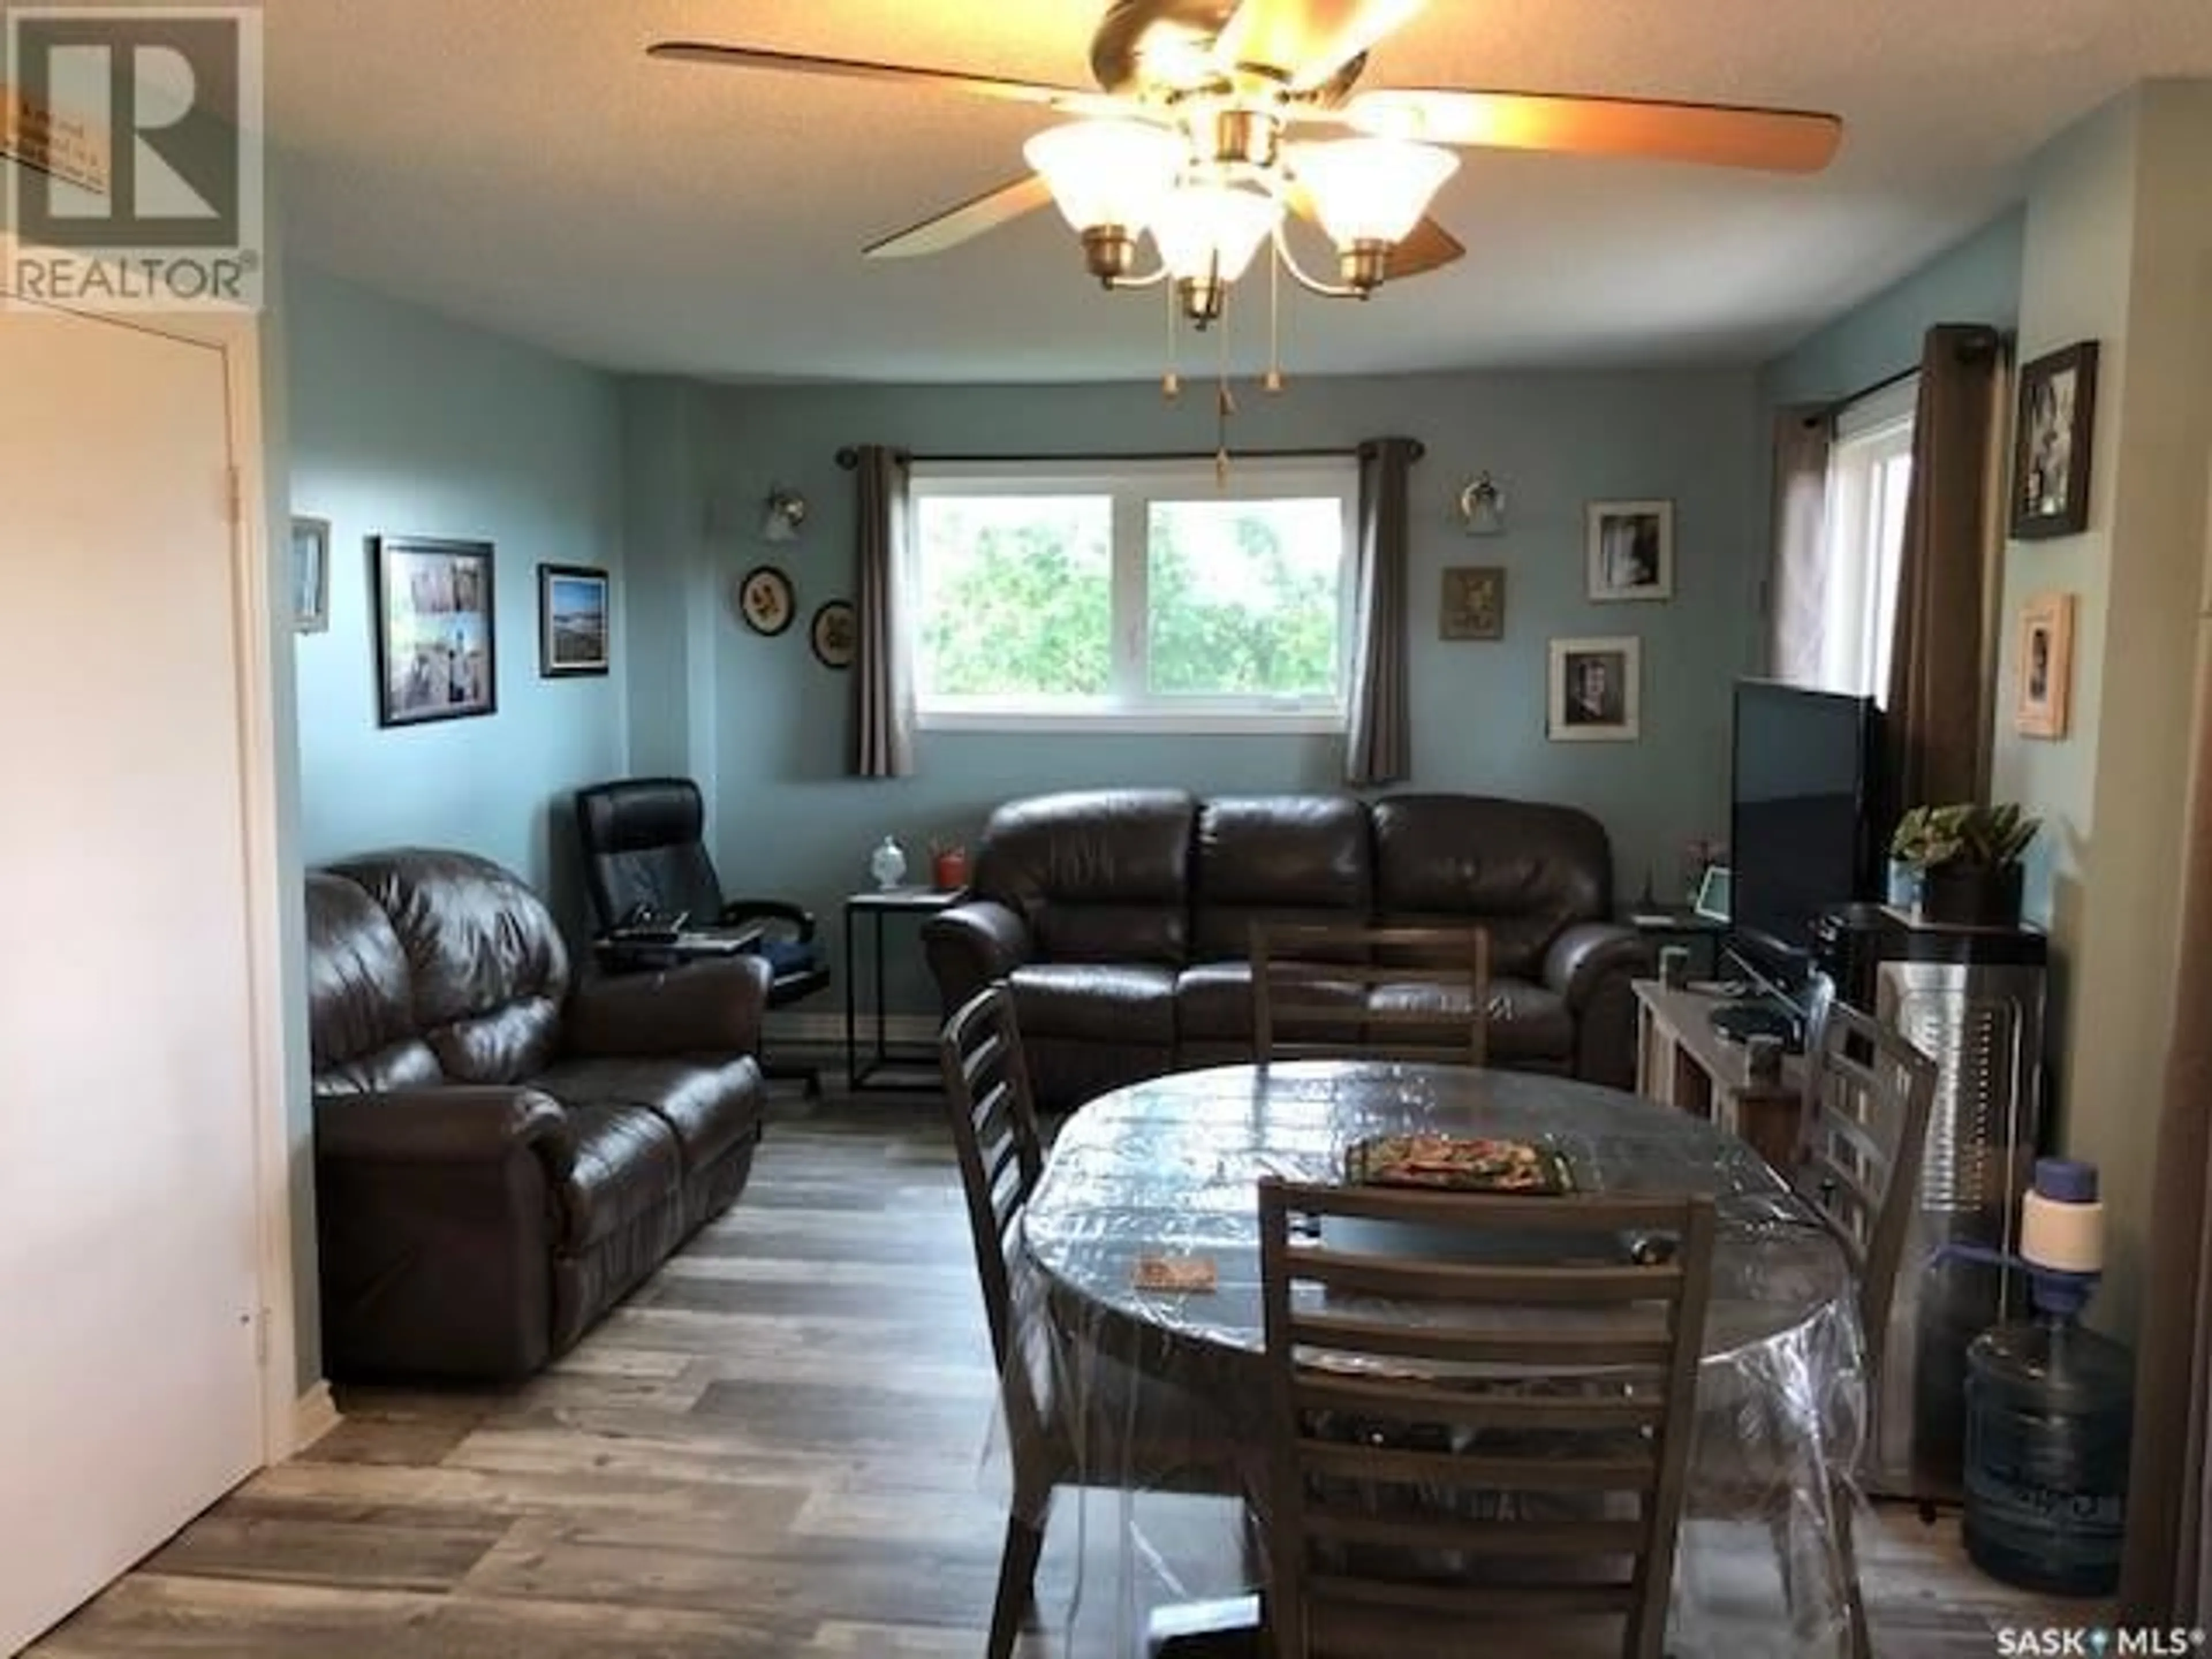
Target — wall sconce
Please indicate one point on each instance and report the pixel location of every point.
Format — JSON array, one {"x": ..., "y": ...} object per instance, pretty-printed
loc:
[
  {"x": 1482, "y": 507},
  {"x": 781, "y": 515}
]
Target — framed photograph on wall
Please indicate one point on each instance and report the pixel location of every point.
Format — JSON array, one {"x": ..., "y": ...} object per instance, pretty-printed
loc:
[
  {"x": 1474, "y": 603},
  {"x": 1597, "y": 690},
  {"x": 311, "y": 575},
  {"x": 572, "y": 619},
  {"x": 1632, "y": 551},
  {"x": 2051, "y": 443},
  {"x": 435, "y": 656},
  {"x": 2046, "y": 665}
]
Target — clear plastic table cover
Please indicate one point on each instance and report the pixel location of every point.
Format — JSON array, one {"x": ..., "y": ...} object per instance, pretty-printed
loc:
[{"x": 1138, "y": 1391}]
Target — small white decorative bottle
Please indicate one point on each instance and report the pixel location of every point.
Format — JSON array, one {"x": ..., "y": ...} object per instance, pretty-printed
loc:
[{"x": 888, "y": 865}]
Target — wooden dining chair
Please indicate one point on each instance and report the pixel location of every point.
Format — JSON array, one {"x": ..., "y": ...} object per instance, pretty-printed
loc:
[
  {"x": 1340, "y": 991},
  {"x": 1001, "y": 1154},
  {"x": 1869, "y": 1092},
  {"x": 1408, "y": 1450}
]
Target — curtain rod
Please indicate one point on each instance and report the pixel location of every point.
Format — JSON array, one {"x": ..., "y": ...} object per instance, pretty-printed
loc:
[
  {"x": 1970, "y": 342},
  {"x": 850, "y": 458}
]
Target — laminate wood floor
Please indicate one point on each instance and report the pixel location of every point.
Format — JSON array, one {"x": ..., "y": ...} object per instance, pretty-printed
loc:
[{"x": 774, "y": 1449}]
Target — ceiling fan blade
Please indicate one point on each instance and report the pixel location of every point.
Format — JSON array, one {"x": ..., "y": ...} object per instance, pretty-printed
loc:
[
  {"x": 1718, "y": 134},
  {"x": 1308, "y": 40},
  {"x": 1072, "y": 100},
  {"x": 970, "y": 219},
  {"x": 1427, "y": 246}
]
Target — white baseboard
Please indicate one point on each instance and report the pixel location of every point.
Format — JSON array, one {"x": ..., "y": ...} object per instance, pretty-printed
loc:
[{"x": 314, "y": 1414}]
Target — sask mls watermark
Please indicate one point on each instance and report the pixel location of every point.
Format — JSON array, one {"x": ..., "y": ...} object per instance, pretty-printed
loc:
[{"x": 135, "y": 135}]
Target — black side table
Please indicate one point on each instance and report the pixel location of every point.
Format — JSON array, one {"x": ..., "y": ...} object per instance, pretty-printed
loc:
[{"x": 885, "y": 1069}]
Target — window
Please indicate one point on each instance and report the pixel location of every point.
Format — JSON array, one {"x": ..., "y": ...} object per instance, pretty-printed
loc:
[
  {"x": 1142, "y": 596},
  {"x": 1867, "y": 478}
]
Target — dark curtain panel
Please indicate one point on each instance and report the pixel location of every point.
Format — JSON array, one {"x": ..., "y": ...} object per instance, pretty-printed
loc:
[
  {"x": 1940, "y": 691},
  {"x": 1797, "y": 582},
  {"x": 2167, "y": 1577},
  {"x": 1378, "y": 736},
  {"x": 883, "y": 678}
]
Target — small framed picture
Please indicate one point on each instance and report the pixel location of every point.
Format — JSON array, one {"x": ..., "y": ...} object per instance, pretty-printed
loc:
[
  {"x": 2051, "y": 443},
  {"x": 434, "y": 642},
  {"x": 2046, "y": 665},
  {"x": 311, "y": 575},
  {"x": 1474, "y": 603},
  {"x": 1597, "y": 690},
  {"x": 572, "y": 619},
  {"x": 833, "y": 635},
  {"x": 764, "y": 600},
  {"x": 1632, "y": 551}
]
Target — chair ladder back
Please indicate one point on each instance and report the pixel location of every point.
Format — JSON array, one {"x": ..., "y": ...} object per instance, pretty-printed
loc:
[
  {"x": 1347, "y": 991},
  {"x": 1387, "y": 1454},
  {"x": 1868, "y": 1094},
  {"x": 996, "y": 1134}
]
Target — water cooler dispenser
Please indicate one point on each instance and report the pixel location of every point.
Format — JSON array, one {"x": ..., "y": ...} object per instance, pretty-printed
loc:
[{"x": 1971, "y": 999}]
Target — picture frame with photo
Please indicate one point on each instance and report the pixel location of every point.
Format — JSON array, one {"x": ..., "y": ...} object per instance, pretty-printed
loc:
[
  {"x": 2051, "y": 441},
  {"x": 311, "y": 575},
  {"x": 2046, "y": 667},
  {"x": 573, "y": 620},
  {"x": 1630, "y": 550},
  {"x": 435, "y": 635},
  {"x": 1474, "y": 605},
  {"x": 1597, "y": 690}
]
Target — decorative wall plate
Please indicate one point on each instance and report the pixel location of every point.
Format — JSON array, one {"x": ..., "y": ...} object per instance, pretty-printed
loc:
[
  {"x": 765, "y": 600},
  {"x": 833, "y": 634}
]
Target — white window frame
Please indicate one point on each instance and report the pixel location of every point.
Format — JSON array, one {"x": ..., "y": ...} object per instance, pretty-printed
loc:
[
  {"x": 1132, "y": 486},
  {"x": 1865, "y": 512}
]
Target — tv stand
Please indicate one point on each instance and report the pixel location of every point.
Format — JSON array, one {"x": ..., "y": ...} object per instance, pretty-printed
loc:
[
  {"x": 1759, "y": 1017},
  {"x": 1683, "y": 1061}
]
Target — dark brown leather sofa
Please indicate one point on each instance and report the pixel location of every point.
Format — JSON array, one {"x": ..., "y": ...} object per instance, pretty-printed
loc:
[
  {"x": 1122, "y": 919},
  {"x": 501, "y": 1154}
]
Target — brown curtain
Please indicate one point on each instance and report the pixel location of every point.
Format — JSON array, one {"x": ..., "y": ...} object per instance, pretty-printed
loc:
[
  {"x": 1797, "y": 585},
  {"x": 1941, "y": 693},
  {"x": 883, "y": 678},
  {"x": 1378, "y": 736},
  {"x": 2166, "y": 1577}
]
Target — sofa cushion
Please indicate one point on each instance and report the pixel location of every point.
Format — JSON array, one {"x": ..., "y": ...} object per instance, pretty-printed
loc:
[
  {"x": 710, "y": 1109},
  {"x": 1521, "y": 870},
  {"x": 1213, "y": 1005},
  {"x": 1098, "y": 875},
  {"x": 1272, "y": 859},
  {"x": 487, "y": 964},
  {"x": 361, "y": 1012},
  {"x": 1099, "y": 1002},
  {"x": 627, "y": 1164}
]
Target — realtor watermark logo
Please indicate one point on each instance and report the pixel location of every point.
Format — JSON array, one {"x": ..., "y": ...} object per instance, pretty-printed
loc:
[
  {"x": 2101, "y": 1642},
  {"x": 136, "y": 139}
]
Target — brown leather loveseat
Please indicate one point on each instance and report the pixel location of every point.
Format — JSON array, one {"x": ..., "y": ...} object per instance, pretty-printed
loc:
[
  {"x": 501, "y": 1154},
  {"x": 1122, "y": 920}
]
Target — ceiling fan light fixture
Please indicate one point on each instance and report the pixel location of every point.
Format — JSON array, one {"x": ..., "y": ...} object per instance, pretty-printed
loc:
[
  {"x": 1106, "y": 175},
  {"x": 1207, "y": 234},
  {"x": 1370, "y": 191}
]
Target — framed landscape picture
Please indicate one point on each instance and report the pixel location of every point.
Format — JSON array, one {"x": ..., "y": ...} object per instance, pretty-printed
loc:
[
  {"x": 1632, "y": 551},
  {"x": 572, "y": 619},
  {"x": 1597, "y": 690},
  {"x": 436, "y": 657},
  {"x": 2051, "y": 443},
  {"x": 1474, "y": 603}
]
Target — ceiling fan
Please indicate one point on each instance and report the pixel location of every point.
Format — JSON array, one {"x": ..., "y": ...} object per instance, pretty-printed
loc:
[{"x": 1196, "y": 135}]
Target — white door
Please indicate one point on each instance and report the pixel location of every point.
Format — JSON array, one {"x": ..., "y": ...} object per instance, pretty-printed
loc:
[{"x": 130, "y": 1394}]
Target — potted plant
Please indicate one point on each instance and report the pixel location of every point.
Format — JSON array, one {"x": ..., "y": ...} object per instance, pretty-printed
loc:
[{"x": 1968, "y": 858}]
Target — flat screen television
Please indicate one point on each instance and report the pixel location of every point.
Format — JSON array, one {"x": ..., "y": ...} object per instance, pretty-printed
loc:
[{"x": 1804, "y": 821}]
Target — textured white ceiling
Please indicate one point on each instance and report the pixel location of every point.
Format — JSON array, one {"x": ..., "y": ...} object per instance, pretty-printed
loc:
[{"x": 521, "y": 164}]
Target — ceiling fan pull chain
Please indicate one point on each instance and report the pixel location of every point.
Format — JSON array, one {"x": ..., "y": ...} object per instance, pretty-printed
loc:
[
  {"x": 1172, "y": 382},
  {"x": 1273, "y": 382},
  {"x": 1224, "y": 406}
]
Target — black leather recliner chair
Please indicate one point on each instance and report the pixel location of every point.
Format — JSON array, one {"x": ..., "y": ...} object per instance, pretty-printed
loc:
[{"x": 645, "y": 849}]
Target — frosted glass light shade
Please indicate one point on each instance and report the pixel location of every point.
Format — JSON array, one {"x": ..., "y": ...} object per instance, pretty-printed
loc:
[
  {"x": 1371, "y": 190},
  {"x": 1213, "y": 230},
  {"x": 1106, "y": 172}
]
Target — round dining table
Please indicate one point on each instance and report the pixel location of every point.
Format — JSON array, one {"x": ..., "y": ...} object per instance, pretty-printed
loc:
[{"x": 1167, "y": 1170}]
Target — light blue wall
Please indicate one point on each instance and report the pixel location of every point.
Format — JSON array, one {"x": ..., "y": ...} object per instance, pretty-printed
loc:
[
  {"x": 785, "y": 820},
  {"x": 1977, "y": 281},
  {"x": 402, "y": 423}
]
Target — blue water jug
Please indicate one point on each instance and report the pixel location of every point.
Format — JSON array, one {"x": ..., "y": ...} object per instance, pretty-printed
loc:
[{"x": 2049, "y": 1407}]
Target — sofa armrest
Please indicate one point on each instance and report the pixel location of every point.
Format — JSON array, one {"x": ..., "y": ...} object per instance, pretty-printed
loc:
[
  {"x": 971, "y": 944},
  {"x": 1588, "y": 954},
  {"x": 702, "y": 1007},
  {"x": 448, "y": 1124}
]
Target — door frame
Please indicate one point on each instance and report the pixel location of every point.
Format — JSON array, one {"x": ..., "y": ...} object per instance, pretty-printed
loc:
[{"x": 290, "y": 1417}]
